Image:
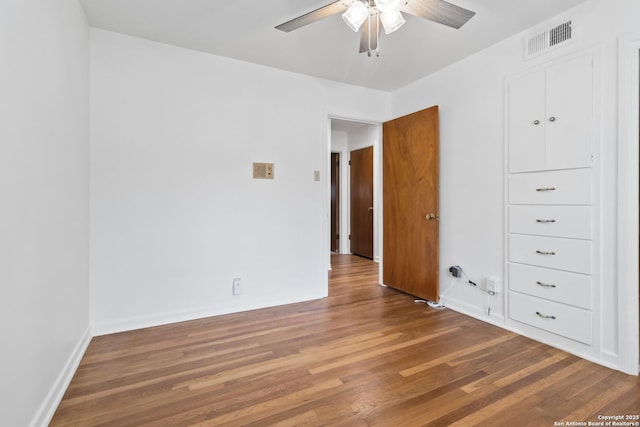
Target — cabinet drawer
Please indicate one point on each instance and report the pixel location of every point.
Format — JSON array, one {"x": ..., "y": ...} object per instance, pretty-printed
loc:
[
  {"x": 570, "y": 322},
  {"x": 560, "y": 286},
  {"x": 557, "y": 221},
  {"x": 552, "y": 252},
  {"x": 572, "y": 187}
]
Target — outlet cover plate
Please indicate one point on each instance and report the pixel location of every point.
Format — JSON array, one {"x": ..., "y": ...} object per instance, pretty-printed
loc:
[{"x": 237, "y": 286}]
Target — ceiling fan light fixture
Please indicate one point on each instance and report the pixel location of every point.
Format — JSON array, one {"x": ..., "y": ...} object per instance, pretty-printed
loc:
[
  {"x": 355, "y": 16},
  {"x": 391, "y": 21},
  {"x": 388, "y": 5}
]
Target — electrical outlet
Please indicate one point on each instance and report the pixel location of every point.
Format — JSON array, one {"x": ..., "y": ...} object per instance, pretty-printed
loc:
[
  {"x": 455, "y": 270},
  {"x": 493, "y": 284},
  {"x": 237, "y": 286}
]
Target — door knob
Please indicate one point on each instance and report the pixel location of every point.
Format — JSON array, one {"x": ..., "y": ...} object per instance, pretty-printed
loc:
[
  {"x": 371, "y": 208},
  {"x": 432, "y": 216}
]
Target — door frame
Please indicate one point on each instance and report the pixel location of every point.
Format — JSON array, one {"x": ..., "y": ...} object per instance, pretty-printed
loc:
[
  {"x": 627, "y": 209},
  {"x": 344, "y": 173}
]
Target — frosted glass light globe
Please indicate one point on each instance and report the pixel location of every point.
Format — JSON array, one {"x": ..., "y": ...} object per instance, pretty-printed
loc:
[
  {"x": 388, "y": 5},
  {"x": 391, "y": 21},
  {"x": 355, "y": 15}
]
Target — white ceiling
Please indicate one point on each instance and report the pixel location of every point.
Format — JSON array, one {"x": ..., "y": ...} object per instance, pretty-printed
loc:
[{"x": 245, "y": 30}]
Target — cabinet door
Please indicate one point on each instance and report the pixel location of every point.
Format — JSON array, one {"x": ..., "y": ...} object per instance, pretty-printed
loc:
[
  {"x": 526, "y": 123},
  {"x": 569, "y": 114}
]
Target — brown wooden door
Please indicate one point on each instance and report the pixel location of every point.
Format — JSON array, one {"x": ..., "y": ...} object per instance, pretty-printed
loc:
[
  {"x": 361, "y": 202},
  {"x": 335, "y": 202},
  {"x": 410, "y": 196}
]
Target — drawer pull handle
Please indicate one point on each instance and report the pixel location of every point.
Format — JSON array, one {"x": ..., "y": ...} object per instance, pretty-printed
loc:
[
  {"x": 545, "y": 253},
  {"x": 546, "y": 189},
  {"x": 545, "y": 285},
  {"x": 544, "y": 316},
  {"x": 546, "y": 221}
]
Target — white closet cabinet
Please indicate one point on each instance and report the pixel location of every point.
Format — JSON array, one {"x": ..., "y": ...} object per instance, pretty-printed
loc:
[
  {"x": 550, "y": 122},
  {"x": 550, "y": 254},
  {"x": 551, "y": 196}
]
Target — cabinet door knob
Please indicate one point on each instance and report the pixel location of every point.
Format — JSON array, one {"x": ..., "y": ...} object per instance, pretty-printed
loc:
[
  {"x": 552, "y": 119},
  {"x": 536, "y": 122}
]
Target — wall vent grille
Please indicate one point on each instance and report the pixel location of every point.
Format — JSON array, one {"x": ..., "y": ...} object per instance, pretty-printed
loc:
[
  {"x": 560, "y": 34},
  {"x": 544, "y": 41}
]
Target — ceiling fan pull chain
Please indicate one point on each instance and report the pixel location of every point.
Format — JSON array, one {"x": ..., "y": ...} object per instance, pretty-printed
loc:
[{"x": 369, "y": 28}]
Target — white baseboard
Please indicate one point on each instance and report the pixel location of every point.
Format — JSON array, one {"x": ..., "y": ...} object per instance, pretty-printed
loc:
[
  {"x": 611, "y": 359},
  {"x": 133, "y": 323},
  {"x": 473, "y": 311},
  {"x": 48, "y": 408}
]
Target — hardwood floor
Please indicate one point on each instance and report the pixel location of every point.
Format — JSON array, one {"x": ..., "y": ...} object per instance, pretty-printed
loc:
[{"x": 364, "y": 356}]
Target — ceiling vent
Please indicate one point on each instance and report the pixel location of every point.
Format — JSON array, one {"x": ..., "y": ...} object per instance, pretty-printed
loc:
[{"x": 547, "y": 40}]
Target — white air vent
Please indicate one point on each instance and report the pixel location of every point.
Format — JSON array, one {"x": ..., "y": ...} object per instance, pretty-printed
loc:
[{"x": 544, "y": 41}]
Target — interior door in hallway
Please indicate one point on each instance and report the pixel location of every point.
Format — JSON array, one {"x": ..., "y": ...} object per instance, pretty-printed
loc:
[
  {"x": 410, "y": 204},
  {"x": 361, "y": 202}
]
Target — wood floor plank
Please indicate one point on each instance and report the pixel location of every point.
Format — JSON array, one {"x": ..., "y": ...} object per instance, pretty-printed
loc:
[
  {"x": 254, "y": 413},
  {"x": 364, "y": 356},
  {"x": 483, "y": 414},
  {"x": 452, "y": 356}
]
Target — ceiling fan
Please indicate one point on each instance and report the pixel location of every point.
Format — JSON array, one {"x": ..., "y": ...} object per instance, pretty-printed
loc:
[{"x": 370, "y": 14}]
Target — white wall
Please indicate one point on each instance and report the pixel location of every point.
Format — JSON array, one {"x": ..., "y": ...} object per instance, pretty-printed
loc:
[
  {"x": 471, "y": 96},
  {"x": 175, "y": 212},
  {"x": 44, "y": 204},
  {"x": 363, "y": 136}
]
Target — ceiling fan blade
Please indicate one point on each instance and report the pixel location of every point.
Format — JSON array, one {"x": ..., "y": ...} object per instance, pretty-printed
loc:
[
  {"x": 376, "y": 25},
  {"x": 438, "y": 11},
  {"x": 315, "y": 15}
]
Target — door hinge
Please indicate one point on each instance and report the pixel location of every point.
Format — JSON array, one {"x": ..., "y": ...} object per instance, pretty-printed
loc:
[
  {"x": 337, "y": 237},
  {"x": 349, "y": 162},
  {"x": 349, "y": 236}
]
